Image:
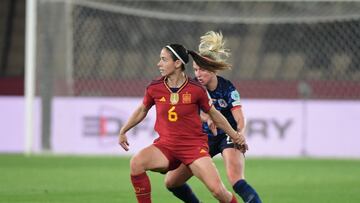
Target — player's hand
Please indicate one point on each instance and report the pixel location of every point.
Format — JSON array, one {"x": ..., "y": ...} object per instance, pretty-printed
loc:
[
  {"x": 239, "y": 139},
  {"x": 123, "y": 142},
  {"x": 212, "y": 126},
  {"x": 243, "y": 148}
]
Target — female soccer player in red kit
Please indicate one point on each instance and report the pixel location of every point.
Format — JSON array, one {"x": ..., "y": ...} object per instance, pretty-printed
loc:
[{"x": 178, "y": 101}]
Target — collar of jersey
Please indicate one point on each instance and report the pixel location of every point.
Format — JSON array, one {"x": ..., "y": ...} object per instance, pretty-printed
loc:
[{"x": 180, "y": 88}]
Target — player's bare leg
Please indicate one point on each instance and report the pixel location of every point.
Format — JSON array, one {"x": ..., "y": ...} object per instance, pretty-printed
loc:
[
  {"x": 175, "y": 182},
  {"x": 204, "y": 169},
  {"x": 235, "y": 164},
  {"x": 149, "y": 158},
  {"x": 177, "y": 177},
  {"x": 235, "y": 169}
]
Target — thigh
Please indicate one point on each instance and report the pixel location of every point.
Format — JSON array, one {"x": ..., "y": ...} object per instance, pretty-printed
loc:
[
  {"x": 177, "y": 177},
  {"x": 234, "y": 163},
  {"x": 149, "y": 158},
  {"x": 204, "y": 169}
]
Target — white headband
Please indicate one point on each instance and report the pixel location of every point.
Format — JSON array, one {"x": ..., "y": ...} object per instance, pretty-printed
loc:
[{"x": 174, "y": 52}]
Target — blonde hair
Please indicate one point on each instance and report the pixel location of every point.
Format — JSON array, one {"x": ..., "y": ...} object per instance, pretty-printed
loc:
[{"x": 212, "y": 46}]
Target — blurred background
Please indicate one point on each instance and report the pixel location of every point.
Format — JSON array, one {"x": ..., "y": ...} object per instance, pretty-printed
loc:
[{"x": 296, "y": 65}]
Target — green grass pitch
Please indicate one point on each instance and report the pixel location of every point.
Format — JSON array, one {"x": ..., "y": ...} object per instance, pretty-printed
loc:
[{"x": 102, "y": 179}]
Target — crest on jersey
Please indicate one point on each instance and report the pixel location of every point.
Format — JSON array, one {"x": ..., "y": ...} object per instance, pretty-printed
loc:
[
  {"x": 222, "y": 103},
  {"x": 186, "y": 98},
  {"x": 174, "y": 98}
]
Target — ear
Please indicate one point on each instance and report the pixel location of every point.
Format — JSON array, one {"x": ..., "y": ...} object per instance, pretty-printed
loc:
[{"x": 178, "y": 63}]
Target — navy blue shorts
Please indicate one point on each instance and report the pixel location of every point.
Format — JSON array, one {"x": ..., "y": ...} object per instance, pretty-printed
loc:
[{"x": 218, "y": 143}]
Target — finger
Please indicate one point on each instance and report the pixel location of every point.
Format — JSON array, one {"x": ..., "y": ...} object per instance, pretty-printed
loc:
[
  {"x": 213, "y": 131},
  {"x": 125, "y": 146},
  {"x": 241, "y": 141}
]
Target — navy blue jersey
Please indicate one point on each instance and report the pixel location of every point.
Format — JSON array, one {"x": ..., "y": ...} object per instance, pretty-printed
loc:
[{"x": 224, "y": 97}]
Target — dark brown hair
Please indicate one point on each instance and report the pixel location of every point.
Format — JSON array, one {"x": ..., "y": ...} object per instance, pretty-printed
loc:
[
  {"x": 209, "y": 64},
  {"x": 204, "y": 62}
]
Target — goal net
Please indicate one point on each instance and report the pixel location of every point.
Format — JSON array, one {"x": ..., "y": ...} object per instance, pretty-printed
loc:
[{"x": 280, "y": 49}]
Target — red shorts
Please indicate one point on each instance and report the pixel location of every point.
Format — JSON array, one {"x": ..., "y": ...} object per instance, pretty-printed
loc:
[{"x": 183, "y": 154}]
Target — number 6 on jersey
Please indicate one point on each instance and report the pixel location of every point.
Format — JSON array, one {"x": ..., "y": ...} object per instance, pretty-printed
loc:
[{"x": 172, "y": 115}]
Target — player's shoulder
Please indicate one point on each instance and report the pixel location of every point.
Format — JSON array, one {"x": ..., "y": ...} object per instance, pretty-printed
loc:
[
  {"x": 224, "y": 81},
  {"x": 195, "y": 83},
  {"x": 156, "y": 81},
  {"x": 225, "y": 84}
]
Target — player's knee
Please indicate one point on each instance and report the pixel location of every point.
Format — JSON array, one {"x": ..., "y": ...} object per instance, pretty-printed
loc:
[
  {"x": 169, "y": 183},
  {"x": 136, "y": 165}
]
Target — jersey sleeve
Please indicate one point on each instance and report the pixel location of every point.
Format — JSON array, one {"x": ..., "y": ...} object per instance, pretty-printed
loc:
[
  {"x": 148, "y": 100},
  {"x": 204, "y": 101},
  {"x": 233, "y": 96}
]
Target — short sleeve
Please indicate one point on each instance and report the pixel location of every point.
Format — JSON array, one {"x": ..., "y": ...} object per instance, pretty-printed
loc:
[
  {"x": 148, "y": 100},
  {"x": 233, "y": 96},
  {"x": 205, "y": 101}
]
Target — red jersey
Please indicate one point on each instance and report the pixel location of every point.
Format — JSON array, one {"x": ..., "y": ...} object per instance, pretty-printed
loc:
[{"x": 177, "y": 113}]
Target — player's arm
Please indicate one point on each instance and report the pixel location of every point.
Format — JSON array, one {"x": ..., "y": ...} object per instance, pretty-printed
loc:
[
  {"x": 221, "y": 122},
  {"x": 206, "y": 119},
  {"x": 138, "y": 115},
  {"x": 241, "y": 125},
  {"x": 204, "y": 116},
  {"x": 239, "y": 118}
]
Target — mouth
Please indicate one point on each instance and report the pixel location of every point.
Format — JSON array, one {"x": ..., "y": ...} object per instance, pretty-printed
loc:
[{"x": 200, "y": 81}]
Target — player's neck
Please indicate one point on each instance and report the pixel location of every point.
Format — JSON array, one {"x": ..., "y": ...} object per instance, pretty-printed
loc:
[
  {"x": 176, "y": 80},
  {"x": 212, "y": 84}
]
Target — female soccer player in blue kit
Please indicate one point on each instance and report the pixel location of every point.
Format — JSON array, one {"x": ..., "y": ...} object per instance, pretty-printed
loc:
[{"x": 226, "y": 99}]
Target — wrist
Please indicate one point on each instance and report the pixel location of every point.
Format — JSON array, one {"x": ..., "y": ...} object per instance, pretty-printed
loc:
[
  {"x": 122, "y": 131},
  {"x": 240, "y": 130},
  {"x": 236, "y": 135}
]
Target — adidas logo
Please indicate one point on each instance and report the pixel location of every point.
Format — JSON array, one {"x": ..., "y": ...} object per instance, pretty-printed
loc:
[
  {"x": 162, "y": 99},
  {"x": 203, "y": 151}
]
